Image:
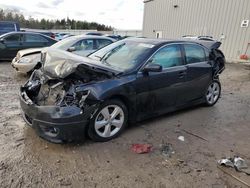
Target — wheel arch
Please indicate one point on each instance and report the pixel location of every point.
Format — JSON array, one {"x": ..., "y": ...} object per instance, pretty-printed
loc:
[{"x": 127, "y": 102}]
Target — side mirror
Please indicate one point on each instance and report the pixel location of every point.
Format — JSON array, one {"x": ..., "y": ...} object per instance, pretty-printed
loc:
[
  {"x": 71, "y": 49},
  {"x": 152, "y": 67}
]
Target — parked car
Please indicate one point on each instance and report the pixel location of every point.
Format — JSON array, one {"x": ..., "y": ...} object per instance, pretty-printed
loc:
[
  {"x": 67, "y": 36},
  {"x": 60, "y": 36},
  {"x": 28, "y": 60},
  {"x": 116, "y": 37},
  {"x": 94, "y": 33},
  {"x": 47, "y": 33},
  {"x": 6, "y": 27},
  {"x": 11, "y": 43},
  {"x": 127, "y": 81}
]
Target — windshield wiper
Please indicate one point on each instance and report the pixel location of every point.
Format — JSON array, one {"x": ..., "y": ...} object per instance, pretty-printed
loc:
[
  {"x": 98, "y": 57},
  {"x": 105, "y": 62}
]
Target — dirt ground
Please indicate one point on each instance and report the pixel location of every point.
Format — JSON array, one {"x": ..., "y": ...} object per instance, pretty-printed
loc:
[{"x": 28, "y": 161}]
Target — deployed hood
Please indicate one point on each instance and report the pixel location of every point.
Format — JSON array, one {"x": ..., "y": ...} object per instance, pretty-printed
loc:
[
  {"x": 60, "y": 64},
  {"x": 29, "y": 51}
]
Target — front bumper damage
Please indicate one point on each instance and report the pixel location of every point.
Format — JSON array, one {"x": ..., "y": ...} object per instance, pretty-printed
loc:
[{"x": 54, "y": 123}]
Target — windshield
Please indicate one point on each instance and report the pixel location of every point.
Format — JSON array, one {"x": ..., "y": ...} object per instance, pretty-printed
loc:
[
  {"x": 64, "y": 44},
  {"x": 122, "y": 55}
]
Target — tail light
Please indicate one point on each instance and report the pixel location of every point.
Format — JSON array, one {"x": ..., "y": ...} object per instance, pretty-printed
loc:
[{"x": 53, "y": 36}]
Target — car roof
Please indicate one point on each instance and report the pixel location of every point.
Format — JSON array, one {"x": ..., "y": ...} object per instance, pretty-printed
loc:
[
  {"x": 92, "y": 37},
  {"x": 24, "y": 32},
  {"x": 158, "y": 42}
]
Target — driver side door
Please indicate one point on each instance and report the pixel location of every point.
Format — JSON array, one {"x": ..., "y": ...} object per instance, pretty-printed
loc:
[{"x": 164, "y": 87}]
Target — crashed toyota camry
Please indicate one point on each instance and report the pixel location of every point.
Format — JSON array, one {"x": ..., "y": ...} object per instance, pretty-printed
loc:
[{"x": 72, "y": 97}]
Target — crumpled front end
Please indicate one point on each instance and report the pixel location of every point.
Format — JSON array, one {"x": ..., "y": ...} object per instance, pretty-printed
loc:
[{"x": 56, "y": 108}]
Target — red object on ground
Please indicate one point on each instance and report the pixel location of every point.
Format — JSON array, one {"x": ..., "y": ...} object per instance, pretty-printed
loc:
[
  {"x": 244, "y": 56},
  {"x": 141, "y": 148}
]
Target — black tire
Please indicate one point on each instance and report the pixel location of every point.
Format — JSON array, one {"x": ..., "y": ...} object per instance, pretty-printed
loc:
[
  {"x": 92, "y": 133},
  {"x": 209, "y": 102}
]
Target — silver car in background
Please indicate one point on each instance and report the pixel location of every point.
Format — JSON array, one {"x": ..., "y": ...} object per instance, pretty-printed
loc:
[{"x": 28, "y": 60}]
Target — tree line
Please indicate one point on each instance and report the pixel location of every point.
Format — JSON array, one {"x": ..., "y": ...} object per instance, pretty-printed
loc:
[{"x": 10, "y": 15}]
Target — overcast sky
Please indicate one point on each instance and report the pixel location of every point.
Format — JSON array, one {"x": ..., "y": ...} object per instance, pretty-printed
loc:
[{"x": 121, "y": 14}]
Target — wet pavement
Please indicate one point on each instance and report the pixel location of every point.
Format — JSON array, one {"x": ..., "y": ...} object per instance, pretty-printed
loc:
[{"x": 28, "y": 161}]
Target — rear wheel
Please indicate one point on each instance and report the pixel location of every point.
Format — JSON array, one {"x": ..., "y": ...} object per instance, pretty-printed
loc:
[
  {"x": 213, "y": 93},
  {"x": 109, "y": 121}
]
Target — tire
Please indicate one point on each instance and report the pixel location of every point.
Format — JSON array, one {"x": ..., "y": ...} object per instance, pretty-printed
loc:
[
  {"x": 103, "y": 127},
  {"x": 213, "y": 93}
]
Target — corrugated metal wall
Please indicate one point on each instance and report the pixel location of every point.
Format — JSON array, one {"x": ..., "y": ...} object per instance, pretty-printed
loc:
[{"x": 200, "y": 17}]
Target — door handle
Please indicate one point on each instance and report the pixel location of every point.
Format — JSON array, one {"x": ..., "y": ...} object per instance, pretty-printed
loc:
[{"x": 181, "y": 74}]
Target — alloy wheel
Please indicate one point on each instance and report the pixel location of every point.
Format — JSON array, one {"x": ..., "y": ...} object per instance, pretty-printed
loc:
[
  {"x": 213, "y": 93},
  {"x": 109, "y": 121}
]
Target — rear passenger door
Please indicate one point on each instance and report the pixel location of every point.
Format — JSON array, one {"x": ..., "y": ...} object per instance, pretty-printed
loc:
[{"x": 199, "y": 71}]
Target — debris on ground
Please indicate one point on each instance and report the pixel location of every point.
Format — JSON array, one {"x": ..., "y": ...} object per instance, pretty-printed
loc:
[
  {"x": 20, "y": 139},
  {"x": 167, "y": 150},
  {"x": 233, "y": 176},
  {"x": 237, "y": 162},
  {"x": 240, "y": 163},
  {"x": 181, "y": 138},
  {"x": 195, "y": 135},
  {"x": 141, "y": 148},
  {"x": 226, "y": 162}
]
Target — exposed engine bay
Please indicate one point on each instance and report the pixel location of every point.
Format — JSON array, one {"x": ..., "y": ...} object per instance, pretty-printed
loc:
[{"x": 46, "y": 91}]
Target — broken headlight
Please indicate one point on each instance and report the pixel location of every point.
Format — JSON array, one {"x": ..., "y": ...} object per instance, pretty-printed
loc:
[{"x": 77, "y": 99}]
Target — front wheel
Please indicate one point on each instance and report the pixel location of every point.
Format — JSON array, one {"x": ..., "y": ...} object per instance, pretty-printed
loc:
[
  {"x": 109, "y": 121},
  {"x": 213, "y": 93}
]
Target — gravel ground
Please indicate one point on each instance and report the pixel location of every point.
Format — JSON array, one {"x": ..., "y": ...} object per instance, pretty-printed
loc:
[{"x": 28, "y": 161}]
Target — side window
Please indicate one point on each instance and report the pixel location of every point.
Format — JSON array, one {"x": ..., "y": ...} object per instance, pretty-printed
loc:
[
  {"x": 194, "y": 53},
  {"x": 169, "y": 56},
  {"x": 34, "y": 38},
  {"x": 103, "y": 42},
  {"x": 86, "y": 44},
  {"x": 13, "y": 38}
]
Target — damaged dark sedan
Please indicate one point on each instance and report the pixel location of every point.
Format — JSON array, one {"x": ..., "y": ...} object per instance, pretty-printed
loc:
[{"x": 128, "y": 81}]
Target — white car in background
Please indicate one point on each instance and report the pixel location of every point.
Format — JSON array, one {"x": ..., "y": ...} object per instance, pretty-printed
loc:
[
  {"x": 60, "y": 36},
  {"x": 28, "y": 60}
]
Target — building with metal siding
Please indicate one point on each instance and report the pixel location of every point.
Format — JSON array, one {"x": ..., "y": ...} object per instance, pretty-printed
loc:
[{"x": 222, "y": 19}]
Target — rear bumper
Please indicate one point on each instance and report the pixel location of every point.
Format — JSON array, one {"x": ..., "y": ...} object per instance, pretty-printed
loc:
[{"x": 56, "y": 124}]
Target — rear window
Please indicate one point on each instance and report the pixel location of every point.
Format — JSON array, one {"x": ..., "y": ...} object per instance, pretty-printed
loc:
[{"x": 194, "y": 53}]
